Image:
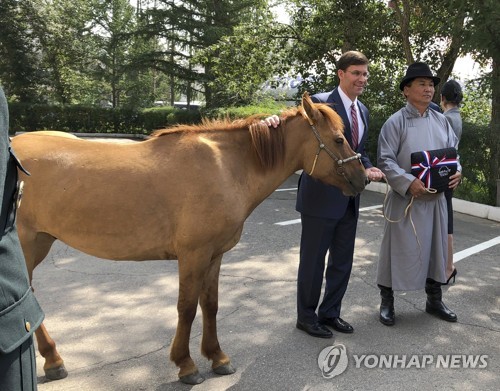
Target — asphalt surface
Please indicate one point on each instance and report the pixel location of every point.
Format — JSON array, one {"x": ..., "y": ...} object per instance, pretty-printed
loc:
[{"x": 113, "y": 322}]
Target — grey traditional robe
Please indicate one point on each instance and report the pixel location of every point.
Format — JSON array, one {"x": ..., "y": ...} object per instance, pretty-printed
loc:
[{"x": 416, "y": 246}]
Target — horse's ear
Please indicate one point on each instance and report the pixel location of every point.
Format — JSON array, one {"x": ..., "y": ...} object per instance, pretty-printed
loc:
[{"x": 307, "y": 105}]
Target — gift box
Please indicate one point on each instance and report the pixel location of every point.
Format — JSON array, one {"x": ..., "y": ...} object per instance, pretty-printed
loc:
[{"x": 434, "y": 167}]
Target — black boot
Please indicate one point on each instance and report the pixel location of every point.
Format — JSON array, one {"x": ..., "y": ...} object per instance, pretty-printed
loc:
[
  {"x": 434, "y": 304},
  {"x": 387, "y": 316}
]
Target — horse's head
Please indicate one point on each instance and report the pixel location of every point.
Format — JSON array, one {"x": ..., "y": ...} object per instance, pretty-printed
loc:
[{"x": 333, "y": 161}]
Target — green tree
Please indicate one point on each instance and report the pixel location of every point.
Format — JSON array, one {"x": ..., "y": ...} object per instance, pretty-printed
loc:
[
  {"x": 244, "y": 61},
  {"x": 142, "y": 84},
  {"x": 77, "y": 51},
  {"x": 322, "y": 30},
  {"x": 188, "y": 27},
  {"x": 431, "y": 31},
  {"x": 114, "y": 26},
  {"x": 63, "y": 27},
  {"x": 484, "y": 43},
  {"x": 476, "y": 106},
  {"x": 20, "y": 65}
]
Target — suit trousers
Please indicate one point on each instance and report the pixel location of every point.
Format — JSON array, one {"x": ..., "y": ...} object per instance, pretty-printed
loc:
[
  {"x": 319, "y": 235},
  {"x": 18, "y": 369}
]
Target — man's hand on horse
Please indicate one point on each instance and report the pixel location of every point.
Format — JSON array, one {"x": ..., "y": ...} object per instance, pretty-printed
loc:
[{"x": 273, "y": 121}]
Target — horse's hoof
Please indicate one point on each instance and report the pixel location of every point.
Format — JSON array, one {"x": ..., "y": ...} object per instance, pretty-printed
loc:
[
  {"x": 193, "y": 378},
  {"x": 57, "y": 373},
  {"x": 226, "y": 369}
]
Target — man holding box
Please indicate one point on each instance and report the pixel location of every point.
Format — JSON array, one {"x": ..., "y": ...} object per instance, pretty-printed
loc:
[{"x": 414, "y": 247}]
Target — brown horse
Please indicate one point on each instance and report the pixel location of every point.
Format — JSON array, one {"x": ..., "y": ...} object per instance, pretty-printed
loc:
[{"x": 192, "y": 187}]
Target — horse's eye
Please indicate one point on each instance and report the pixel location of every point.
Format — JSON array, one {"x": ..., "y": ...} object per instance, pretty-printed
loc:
[{"x": 339, "y": 140}]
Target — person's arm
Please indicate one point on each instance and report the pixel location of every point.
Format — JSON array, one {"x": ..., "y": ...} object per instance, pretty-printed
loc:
[
  {"x": 388, "y": 147},
  {"x": 456, "y": 178}
]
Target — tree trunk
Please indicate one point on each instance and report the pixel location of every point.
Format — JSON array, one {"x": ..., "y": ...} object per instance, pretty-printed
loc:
[
  {"x": 495, "y": 129},
  {"x": 172, "y": 76},
  {"x": 404, "y": 25},
  {"x": 451, "y": 55}
]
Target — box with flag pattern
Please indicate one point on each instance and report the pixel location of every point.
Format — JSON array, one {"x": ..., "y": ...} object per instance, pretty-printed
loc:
[{"x": 434, "y": 167}]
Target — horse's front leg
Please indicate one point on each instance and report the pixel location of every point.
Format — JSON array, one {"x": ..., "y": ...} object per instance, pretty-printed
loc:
[
  {"x": 192, "y": 270},
  {"x": 209, "y": 302}
]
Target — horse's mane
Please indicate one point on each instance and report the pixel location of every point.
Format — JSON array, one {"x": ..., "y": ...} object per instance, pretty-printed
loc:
[
  {"x": 325, "y": 110},
  {"x": 208, "y": 125},
  {"x": 268, "y": 142}
]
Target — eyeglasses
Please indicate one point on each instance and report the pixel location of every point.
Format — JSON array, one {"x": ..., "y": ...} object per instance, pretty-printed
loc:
[{"x": 358, "y": 74}]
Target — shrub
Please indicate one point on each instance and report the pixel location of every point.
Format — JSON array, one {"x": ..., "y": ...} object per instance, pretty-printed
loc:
[{"x": 89, "y": 119}]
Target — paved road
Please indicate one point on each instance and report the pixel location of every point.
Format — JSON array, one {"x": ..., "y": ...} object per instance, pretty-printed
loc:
[{"x": 114, "y": 321}]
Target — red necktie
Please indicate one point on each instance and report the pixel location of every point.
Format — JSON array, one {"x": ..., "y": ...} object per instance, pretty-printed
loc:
[{"x": 354, "y": 127}]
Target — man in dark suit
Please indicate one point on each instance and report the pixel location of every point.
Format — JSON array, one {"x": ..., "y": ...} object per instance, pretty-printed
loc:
[
  {"x": 329, "y": 218},
  {"x": 20, "y": 313}
]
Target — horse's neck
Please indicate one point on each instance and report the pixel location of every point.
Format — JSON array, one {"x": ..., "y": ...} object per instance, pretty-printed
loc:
[{"x": 235, "y": 160}]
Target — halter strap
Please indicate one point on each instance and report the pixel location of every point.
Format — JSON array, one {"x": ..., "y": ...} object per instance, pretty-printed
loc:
[{"x": 322, "y": 146}]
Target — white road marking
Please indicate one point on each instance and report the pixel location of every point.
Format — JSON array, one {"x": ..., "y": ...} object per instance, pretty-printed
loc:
[
  {"x": 288, "y": 222},
  {"x": 475, "y": 249},
  {"x": 291, "y": 189},
  {"x": 370, "y": 208},
  {"x": 297, "y": 221}
]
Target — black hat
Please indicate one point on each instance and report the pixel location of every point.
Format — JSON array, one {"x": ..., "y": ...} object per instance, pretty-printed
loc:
[{"x": 418, "y": 69}]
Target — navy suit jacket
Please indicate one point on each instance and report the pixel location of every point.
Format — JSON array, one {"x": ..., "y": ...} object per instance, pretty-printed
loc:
[{"x": 317, "y": 199}]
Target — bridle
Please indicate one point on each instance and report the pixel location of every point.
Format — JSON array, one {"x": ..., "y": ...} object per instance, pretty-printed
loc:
[{"x": 340, "y": 162}]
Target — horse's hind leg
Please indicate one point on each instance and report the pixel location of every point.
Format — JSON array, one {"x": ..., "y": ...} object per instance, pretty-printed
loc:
[
  {"x": 36, "y": 246},
  {"x": 209, "y": 302},
  {"x": 54, "y": 365}
]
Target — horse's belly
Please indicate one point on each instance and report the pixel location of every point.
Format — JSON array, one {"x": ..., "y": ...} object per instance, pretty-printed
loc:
[
  {"x": 110, "y": 238},
  {"x": 145, "y": 229},
  {"x": 120, "y": 252}
]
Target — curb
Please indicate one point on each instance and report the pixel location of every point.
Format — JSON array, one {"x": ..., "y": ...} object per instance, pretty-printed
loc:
[{"x": 461, "y": 206}]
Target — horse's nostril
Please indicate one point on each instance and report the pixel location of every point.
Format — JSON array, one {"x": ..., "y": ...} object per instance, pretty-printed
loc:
[{"x": 367, "y": 181}]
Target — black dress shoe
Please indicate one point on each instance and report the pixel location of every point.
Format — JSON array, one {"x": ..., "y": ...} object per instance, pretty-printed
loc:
[
  {"x": 337, "y": 324},
  {"x": 314, "y": 329}
]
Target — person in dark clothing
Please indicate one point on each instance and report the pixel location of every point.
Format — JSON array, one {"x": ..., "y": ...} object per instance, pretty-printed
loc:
[
  {"x": 329, "y": 218},
  {"x": 451, "y": 98},
  {"x": 20, "y": 313}
]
